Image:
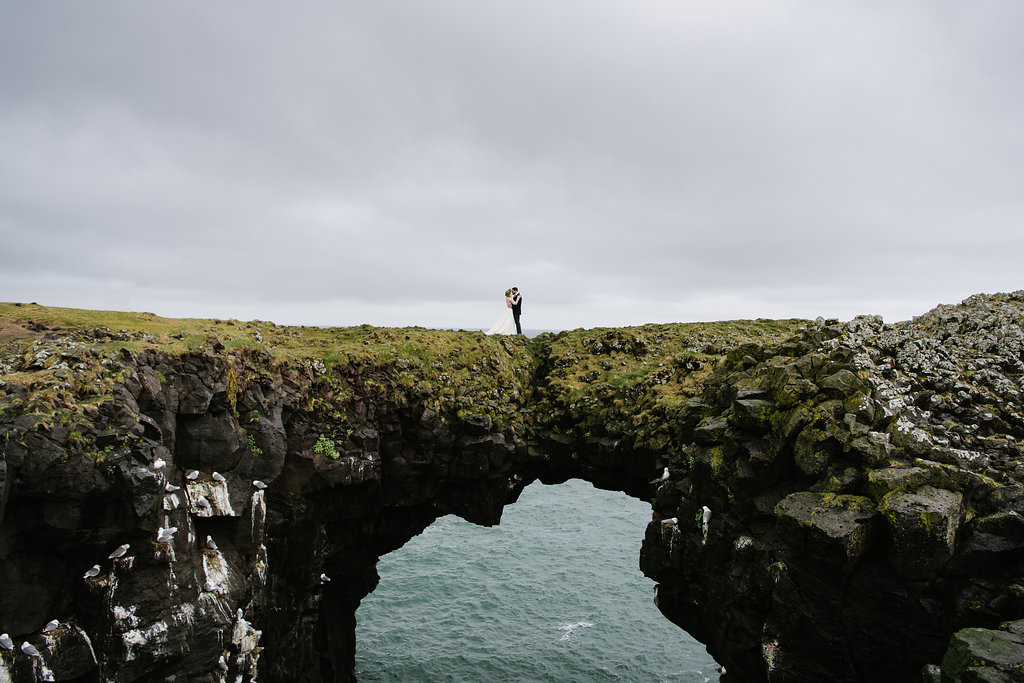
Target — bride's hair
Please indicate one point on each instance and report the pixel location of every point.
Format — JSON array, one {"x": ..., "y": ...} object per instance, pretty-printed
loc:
[{"x": 508, "y": 292}]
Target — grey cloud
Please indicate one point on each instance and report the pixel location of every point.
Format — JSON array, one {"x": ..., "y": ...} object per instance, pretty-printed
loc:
[{"x": 415, "y": 159}]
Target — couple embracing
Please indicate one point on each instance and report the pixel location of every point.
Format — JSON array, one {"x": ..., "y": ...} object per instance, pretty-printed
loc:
[{"x": 513, "y": 309}]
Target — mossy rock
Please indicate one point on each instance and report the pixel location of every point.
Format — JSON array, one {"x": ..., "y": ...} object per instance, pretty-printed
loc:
[
  {"x": 924, "y": 525},
  {"x": 837, "y": 528},
  {"x": 840, "y": 384},
  {"x": 752, "y": 415},
  {"x": 902, "y": 478},
  {"x": 980, "y": 654}
]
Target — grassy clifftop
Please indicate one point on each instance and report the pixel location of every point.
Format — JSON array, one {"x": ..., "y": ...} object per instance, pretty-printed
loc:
[{"x": 45, "y": 348}]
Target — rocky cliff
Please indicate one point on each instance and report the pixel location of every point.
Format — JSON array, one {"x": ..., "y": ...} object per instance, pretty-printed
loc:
[{"x": 208, "y": 499}]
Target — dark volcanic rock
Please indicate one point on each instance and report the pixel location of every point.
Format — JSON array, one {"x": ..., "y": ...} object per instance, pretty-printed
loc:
[
  {"x": 845, "y": 503},
  {"x": 867, "y": 503}
]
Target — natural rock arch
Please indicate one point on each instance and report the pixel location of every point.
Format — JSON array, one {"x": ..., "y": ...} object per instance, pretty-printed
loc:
[{"x": 840, "y": 463}]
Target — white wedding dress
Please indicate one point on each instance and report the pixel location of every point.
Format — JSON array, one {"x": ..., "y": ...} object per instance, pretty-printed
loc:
[{"x": 506, "y": 324}]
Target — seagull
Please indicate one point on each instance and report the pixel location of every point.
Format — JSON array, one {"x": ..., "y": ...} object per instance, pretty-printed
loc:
[
  {"x": 27, "y": 648},
  {"x": 193, "y": 475},
  {"x": 91, "y": 572},
  {"x": 705, "y": 517},
  {"x": 259, "y": 484},
  {"x": 209, "y": 586},
  {"x": 165, "y": 535},
  {"x": 324, "y": 578},
  {"x": 119, "y": 551},
  {"x": 158, "y": 463},
  {"x": 210, "y": 543},
  {"x": 171, "y": 488},
  {"x": 664, "y": 474},
  {"x": 670, "y": 520},
  {"x": 217, "y": 476},
  {"x": 239, "y": 614},
  {"x": 222, "y": 663},
  {"x": 51, "y": 626},
  {"x": 202, "y": 502},
  {"x": 6, "y": 642}
]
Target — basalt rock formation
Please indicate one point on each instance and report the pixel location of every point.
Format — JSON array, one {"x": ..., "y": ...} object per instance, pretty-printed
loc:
[
  {"x": 843, "y": 502},
  {"x": 208, "y": 499}
]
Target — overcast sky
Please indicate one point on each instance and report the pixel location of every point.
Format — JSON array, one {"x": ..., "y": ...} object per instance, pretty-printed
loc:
[{"x": 404, "y": 162}]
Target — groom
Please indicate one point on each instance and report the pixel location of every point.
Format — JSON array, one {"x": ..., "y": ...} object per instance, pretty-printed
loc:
[{"x": 517, "y": 308}]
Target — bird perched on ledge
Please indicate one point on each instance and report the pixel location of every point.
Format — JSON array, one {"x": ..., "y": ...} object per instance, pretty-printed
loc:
[
  {"x": 119, "y": 551},
  {"x": 705, "y": 519},
  {"x": 664, "y": 477}
]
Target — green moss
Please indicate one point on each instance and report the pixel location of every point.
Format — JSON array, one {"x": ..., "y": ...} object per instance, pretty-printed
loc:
[
  {"x": 233, "y": 388},
  {"x": 717, "y": 461}
]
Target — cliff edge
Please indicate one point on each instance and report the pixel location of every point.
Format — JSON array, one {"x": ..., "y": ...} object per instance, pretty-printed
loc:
[{"x": 209, "y": 498}]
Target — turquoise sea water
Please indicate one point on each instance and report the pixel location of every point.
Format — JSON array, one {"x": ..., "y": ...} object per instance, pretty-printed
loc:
[{"x": 553, "y": 593}]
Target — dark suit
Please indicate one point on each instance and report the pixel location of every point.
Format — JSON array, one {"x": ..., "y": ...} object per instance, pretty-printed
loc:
[{"x": 517, "y": 310}]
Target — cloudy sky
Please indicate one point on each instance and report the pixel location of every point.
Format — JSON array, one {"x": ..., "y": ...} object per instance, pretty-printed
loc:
[{"x": 402, "y": 162}]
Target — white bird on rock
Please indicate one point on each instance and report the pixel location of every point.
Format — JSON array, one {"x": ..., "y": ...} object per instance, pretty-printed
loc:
[
  {"x": 217, "y": 476},
  {"x": 91, "y": 572},
  {"x": 193, "y": 475},
  {"x": 210, "y": 543},
  {"x": 6, "y": 642},
  {"x": 664, "y": 474},
  {"x": 209, "y": 586},
  {"x": 28, "y": 649},
  {"x": 171, "y": 488},
  {"x": 259, "y": 484},
  {"x": 670, "y": 520},
  {"x": 119, "y": 551},
  {"x": 222, "y": 663},
  {"x": 159, "y": 463},
  {"x": 324, "y": 578},
  {"x": 705, "y": 519},
  {"x": 202, "y": 502},
  {"x": 165, "y": 535},
  {"x": 51, "y": 626}
]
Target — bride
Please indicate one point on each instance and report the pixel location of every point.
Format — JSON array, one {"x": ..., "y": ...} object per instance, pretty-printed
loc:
[{"x": 506, "y": 324}]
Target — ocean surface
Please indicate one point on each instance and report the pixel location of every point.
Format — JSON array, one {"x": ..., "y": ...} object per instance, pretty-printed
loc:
[{"x": 553, "y": 593}]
